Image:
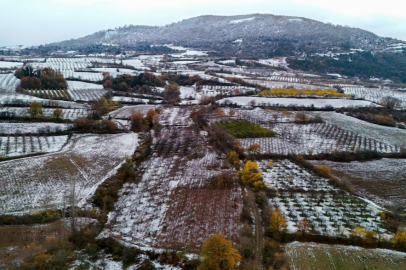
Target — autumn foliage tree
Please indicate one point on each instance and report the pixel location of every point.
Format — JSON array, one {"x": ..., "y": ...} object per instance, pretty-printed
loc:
[
  {"x": 277, "y": 222},
  {"x": 218, "y": 254},
  {"x": 103, "y": 106},
  {"x": 399, "y": 240},
  {"x": 367, "y": 237},
  {"x": 57, "y": 114},
  {"x": 303, "y": 226},
  {"x": 324, "y": 170},
  {"x": 138, "y": 123},
  {"x": 234, "y": 160},
  {"x": 46, "y": 78},
  {"x": 251, "y": 175},
  {"x": 35, "y": 109},
  {"x": 254, "y": 149},
  {"x": 152, "y": 117},
  {"x": 172, "y": 93}
]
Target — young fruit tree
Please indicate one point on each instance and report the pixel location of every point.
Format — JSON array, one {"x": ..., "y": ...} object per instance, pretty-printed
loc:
[{"x": 218, "y": 254}]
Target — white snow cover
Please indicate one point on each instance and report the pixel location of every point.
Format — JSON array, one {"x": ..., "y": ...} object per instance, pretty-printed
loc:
[
  {"x": 136, "y": 63},
  {"x": 242, "y": 20},
  {"x": 30, "y": 184},
  {"x": 32, "y": 128},
  {"x": 76, "y": 85},
  {"x": 126, "y": 111},
  {"x": 285, "y": 175},
  {"x": 25, "y": 145},
  {"x": 315, "y": 139},
  {"x": 382, "y": 181},
  {"x": 8, "y": 83},
  {"x": 389, "y": 135},
  {"x": 4, "y": 64},
  {"x": 70, "y": 114},
  {"x": 329, "y": 214},
  {"x": 135, "y": 100},
  {"x": 26, "y": 99},
  {"x": 85, "y": 91},
  {"x": 283, "y": 102},
  {"x": 374, "y": 94},
  {"x": 87, "y": 94}
]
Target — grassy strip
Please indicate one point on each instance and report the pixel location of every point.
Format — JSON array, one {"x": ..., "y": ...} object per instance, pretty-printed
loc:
[{"x": 244, "y": 129}]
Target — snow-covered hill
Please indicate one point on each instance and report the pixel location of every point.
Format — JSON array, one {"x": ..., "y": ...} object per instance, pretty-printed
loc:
[{"x": 256, "y": 35}]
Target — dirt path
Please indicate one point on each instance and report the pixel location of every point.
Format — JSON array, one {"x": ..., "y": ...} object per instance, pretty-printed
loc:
[{"x": 259, "y": 233}]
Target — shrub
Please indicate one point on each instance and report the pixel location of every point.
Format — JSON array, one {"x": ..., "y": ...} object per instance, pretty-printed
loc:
[{"x": 324, "y": 170}]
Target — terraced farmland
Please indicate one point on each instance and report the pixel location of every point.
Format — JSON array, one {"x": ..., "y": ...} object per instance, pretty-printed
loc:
[
  {"x": 32, "y": 184},
  {"x": 25, "y": 145},
  {"x": 8, "y": 83},
  {"x": 316, "y": 139},
  {"x": 70, "y": 114},
  {"x": 172, "y": 205}
]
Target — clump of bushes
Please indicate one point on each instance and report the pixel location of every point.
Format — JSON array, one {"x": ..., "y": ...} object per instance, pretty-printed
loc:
[
  {"x": 89, "y": 125},
  {"x": 46, "y": 78}
]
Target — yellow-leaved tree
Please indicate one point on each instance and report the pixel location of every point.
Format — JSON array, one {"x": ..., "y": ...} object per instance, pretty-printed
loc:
[
  {"x": 218, "y": 254},
  {"x": 234, "y": 160},
  {"x": 399, "y": 240},
  {"x": 278, "y": 222},
  {"x": 251, "y": 175},
  {"x": 35, "y": 109}
]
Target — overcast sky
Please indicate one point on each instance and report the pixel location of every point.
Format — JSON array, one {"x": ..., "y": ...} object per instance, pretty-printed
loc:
[{"x": 33, "y": 22}]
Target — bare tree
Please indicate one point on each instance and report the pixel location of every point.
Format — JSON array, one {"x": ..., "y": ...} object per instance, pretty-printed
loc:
[{"x": 390, "y": 102}]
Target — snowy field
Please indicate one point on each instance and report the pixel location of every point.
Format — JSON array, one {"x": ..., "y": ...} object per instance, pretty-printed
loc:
[
  {"x": 85, "y": 76},
  {"x": 288, "y": 79},
  {"x": 136, "y": 63},
  {"x": 75, "y": 85},
  {"x": 389, "y": 135},
  {"x": 274, "y": 62},
  {"x": 8, "y": 83},
  {"x": 114, "y": 72},
  {"x": 333, "y": 257},
  {"x": 374, "y": 94},
  {"x": 135, "y": 100},
  {"x": 175, "y": 116},
  {"x": 285, "y": 175},
  {"x": 262, "y": 116},
  {"x": 31, "y": 184},
  {"x": 284, "y": 102},
  {"x": 20, "y": 99},
  {"x": 278, "y": 84},
  {"x": 87, "y": 94},
  {"x": 328, "y": 213},
  {"x": 70, "y": 114},
  {"x": 32, "y": 128},
  {"x": 10, "y": 65},
  {"x": 62, "y": 64},
  {"x": 171, "y": 205},
  {"x": 126, "y": 111},
  {"x": 316, "y": 139},
  {"x": 381, "y": 181},
  {"x": 25, "y": 145}
]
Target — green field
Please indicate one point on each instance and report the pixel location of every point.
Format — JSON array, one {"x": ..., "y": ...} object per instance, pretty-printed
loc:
[
  {"x": 244, "y": 129},
  {"x": 311, "y": 256}
]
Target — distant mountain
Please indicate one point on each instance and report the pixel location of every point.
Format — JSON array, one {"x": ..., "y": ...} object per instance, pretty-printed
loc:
[{"x": 255, "y": 35}]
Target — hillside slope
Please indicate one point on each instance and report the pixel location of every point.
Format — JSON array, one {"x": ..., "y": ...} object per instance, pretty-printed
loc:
[{"x": 257, "y": 35}]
